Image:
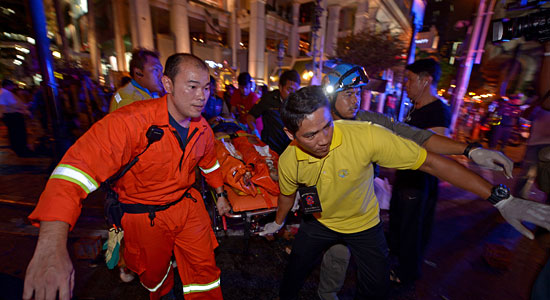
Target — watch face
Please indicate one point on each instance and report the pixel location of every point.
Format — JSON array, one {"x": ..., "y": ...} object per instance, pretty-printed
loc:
[{"x": 502, "y": 192}]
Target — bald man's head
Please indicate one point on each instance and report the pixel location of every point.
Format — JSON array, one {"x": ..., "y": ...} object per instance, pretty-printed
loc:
[{"x": 176, "y": 61}]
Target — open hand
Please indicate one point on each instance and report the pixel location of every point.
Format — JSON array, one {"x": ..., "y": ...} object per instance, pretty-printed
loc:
[
  {"x": 493, "y": 160},
  {"x": 515, "y": 210}
]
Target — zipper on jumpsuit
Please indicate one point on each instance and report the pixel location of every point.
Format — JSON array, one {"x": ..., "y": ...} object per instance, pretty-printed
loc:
[{"x": 183, "y": 147}]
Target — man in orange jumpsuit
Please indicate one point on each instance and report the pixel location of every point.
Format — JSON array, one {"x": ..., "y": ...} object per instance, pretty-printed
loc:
[{"x": 161, "y": 178}]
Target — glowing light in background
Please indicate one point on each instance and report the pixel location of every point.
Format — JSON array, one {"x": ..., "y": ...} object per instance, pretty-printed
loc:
[
  {"x": 22, "y": 49},
  {"x": 212, "y": 64}
]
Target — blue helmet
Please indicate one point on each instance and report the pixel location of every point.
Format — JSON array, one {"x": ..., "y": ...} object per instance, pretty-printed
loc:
[{"x": 342, "y": 77}]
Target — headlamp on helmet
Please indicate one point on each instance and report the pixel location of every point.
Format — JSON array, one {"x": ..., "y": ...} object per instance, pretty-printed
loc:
[{"x": 343, "y": 77}]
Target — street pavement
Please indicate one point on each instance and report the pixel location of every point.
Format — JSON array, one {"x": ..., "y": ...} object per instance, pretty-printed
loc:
[{"x": 473, "y": 253}]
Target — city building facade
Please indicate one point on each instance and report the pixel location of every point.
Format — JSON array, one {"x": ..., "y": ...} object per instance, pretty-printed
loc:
[
  {"x": 261, "y": 37},
  {"x": 258, "y": 36}
]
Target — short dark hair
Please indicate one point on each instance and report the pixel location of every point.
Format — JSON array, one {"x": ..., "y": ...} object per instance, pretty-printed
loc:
[
  {"x": 173, "y": 62},
  {"x": 426, "y": 66},
  {"x": 139, "y": 58},
  {"x": 125, "y": 80},
  {"x": 300, "y": 104},
  {"x": 291, "y": 75},
  {"x": 244, "y": 78},
  {"x": 7, "y": 82}
]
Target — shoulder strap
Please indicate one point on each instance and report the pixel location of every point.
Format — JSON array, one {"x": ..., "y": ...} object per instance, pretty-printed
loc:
[{"x": 154, "y": 133}]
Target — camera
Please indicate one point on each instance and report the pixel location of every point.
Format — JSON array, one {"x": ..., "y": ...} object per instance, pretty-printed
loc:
[{"x": 534, "y": 26}]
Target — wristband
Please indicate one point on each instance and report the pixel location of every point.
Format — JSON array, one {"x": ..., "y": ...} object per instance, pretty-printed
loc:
[
  {"x": 470, "y": 147},
  {"x": 222, "y": 194}
]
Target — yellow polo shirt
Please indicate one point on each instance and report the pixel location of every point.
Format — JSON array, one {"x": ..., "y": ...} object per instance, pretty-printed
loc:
[
  {"x": 345, "y": 174},
  {"x": 127, "y": 94}
]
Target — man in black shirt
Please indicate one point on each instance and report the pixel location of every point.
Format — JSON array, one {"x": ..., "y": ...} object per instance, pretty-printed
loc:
[
  {"x": 268, "y": 108},
  {"x": 415, "y": 193}
]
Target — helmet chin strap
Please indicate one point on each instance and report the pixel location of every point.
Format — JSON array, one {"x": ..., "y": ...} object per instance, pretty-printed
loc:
[{"x": 334, "y": 110}]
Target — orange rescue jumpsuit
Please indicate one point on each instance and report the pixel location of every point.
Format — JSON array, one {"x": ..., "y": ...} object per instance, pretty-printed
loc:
[{"x": 159, "y": 177}]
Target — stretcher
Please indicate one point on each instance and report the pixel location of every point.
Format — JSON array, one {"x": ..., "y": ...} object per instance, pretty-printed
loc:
[{"x": 249, "y": 169}]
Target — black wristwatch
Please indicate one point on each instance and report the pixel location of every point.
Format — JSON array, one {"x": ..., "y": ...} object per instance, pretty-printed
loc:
[
  {"x": 222, "y": 194},
  {"x": 499, "y": 193},
  {"x": 470, "y": 147}
]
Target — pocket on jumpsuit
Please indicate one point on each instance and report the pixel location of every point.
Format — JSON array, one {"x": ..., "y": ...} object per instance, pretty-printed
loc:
[
  {"x": 152, "y": 170},
  {"x": 132, "y": 255}
]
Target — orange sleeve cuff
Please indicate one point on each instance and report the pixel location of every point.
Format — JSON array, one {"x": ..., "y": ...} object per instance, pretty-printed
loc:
[
  {"x": 60, "y": 201},
  {"x": 214, "y": 178}
]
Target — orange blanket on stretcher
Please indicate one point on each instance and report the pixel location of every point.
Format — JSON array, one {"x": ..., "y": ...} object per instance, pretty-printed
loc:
[{"x": 249, "y": 169}]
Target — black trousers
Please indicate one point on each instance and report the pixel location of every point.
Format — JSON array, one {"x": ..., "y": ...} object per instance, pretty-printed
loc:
[
  {"x": 368, "y": 247},
  {"x": 412, "y": 211},
  {"x": 17, "y": 132}
]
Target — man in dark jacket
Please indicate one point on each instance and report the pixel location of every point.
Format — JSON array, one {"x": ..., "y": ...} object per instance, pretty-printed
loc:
[{"x": 268, "y": 109}]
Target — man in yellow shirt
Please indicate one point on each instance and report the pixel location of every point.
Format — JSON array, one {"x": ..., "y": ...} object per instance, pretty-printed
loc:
[
  {"x": 146, "y": 72},
  {"x": 333, "y": 161}
]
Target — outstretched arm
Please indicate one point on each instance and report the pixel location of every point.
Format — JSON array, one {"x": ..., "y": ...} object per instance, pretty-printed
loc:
[
  {"x": 439, "y": 144},
  {"x": 490, "y": 159},
  {"x": 514, "y": 210},
  {"x": 50, "y": 269},
  {"x": 456, "y": 174}
]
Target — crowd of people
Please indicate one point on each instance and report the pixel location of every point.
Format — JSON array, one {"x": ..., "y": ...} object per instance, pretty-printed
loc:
[
  {"x": 329, "y": 151},
  {"x": 24, "y": 111}
]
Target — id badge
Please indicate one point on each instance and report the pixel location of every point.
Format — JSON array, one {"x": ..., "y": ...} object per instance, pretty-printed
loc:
[{"x": 309, "y": 199}]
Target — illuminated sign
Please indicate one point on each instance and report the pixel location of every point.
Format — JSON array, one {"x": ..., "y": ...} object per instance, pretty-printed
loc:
[{"x": 427, "y": 40}]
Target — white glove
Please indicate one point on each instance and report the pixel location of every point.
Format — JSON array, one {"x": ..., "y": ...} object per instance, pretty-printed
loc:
[
  {"x": 493, "y": 160},
  {"x": 515, "y": 210},
  {"x": 271, "y": 228}
]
